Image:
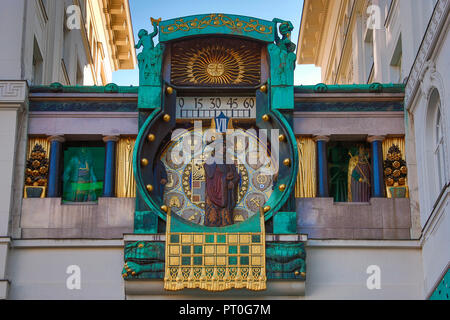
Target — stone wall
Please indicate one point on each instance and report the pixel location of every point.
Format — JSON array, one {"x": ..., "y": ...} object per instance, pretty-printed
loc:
[
  {"x": 47, "y": 218},
  {"x": 382, "y": 218}
]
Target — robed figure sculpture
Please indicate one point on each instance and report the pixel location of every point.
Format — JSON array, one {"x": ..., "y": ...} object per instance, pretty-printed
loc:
[
  {"x": 359, "y": 173},
  {"x": 221, "y": 195}
]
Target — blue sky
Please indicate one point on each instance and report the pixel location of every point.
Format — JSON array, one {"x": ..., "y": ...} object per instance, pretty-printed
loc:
[{"x": 142, "y": 10}]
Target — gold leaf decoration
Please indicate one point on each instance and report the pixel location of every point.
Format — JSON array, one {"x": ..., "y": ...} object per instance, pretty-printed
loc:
[
  {"x": 217, "y": 20},
  {"x": 216, "y": 62}
]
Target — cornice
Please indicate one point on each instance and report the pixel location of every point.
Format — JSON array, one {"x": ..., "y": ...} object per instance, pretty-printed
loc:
[
  {"x": 312, "y": 28},
  {"x": 435, "y": 26}
]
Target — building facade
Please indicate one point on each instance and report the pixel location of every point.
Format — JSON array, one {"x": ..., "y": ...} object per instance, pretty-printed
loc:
[
  {"x": 397, "y": 42},
  {"x": 97, "y": 205},
  {"x": 70, "y": 42}
]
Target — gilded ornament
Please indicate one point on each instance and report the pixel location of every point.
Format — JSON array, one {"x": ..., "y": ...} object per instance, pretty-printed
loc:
[
  {"x": 217, "y": 20},
  {"x": 216, "y": 62},
  {"x": 287, "y": 162},
  {"x": 396, "y": 173},
  {"x": 151, "y": 137},
  {"x": 166, "y": 117},
  {"x": 266, "y": 117},
  {"x": 266, "y": 209},
  {"x": 149, "y": 188},
  {"x": 396, "y": 164},
  {"x": 263, "y": 88},
  {"x": 281, "y": 137},
  {"x": 169, "y": 90},
  {"x": 164, "y": 208},
  {"x": 404, "y": 170},
  {"x": 144, "y": 162},
  {"x": 282, "y": 187}
]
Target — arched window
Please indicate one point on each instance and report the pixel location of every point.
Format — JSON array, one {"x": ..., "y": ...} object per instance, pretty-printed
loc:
[
  {"x": 436, "y": 144},
  {"x": 439, "y": 149}
]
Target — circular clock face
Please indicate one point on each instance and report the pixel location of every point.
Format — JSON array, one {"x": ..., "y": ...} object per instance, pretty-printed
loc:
[{"x": 203, "y": 191}]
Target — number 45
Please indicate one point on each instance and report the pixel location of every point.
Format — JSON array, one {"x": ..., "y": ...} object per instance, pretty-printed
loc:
[{"x": 232, "y": 102}]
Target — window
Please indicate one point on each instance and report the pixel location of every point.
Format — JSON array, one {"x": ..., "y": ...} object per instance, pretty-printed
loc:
[
  {"x": 66, "y": 54},
  {"x": 368, "y": 55},
  {"x": 439, "y": 152},
  {"x": 435, "y": 145},
  {"x": 84, "y": 170},
  {"x": 396, "y": 63},
  {"x": 37, "y": 65},
  {"x": 79, "y": 80}
]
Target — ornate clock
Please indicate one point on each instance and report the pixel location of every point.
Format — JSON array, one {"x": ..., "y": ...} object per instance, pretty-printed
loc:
[{"x": 214, "y": 87}]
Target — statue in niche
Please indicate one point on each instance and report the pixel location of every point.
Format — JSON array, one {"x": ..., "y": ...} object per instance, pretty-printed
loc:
[
  {"x": 282, "y": 55},
  {"x": 80, "y": 182},
  {"x": 359, "y": 172},
  {"x": 149, "y": 60},
  {"x": 221, "y": 191},
  {"x": 338, "y": 168}
]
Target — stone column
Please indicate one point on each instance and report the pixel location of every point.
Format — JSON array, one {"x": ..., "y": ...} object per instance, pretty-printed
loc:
[
  {"x": 13, "y": 105},
  {"x": 377, "y": 175},
  {"x": 110, "y": 166},
  {"x": 322, "y": 166},
  {"x": 55, "y": 167}
]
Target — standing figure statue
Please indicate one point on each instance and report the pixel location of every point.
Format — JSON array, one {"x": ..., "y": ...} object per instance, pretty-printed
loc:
[
  {"x": 80, "y": 182},
  {"x": 359, "y": 172},
  {"x": 282, "y": 55},
  {"x": 222, "y": 184},
  {"x": 149, "y": 60},
  {"x": 285, "y": 29}
]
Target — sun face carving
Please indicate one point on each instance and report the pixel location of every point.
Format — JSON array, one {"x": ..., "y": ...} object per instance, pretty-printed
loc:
[
  {"x": 216, "y": 62},
  {"x": 215, "y": 69}
]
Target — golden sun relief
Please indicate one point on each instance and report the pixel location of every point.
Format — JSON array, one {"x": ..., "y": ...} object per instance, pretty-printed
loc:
[{"x": 216, "y": 62}]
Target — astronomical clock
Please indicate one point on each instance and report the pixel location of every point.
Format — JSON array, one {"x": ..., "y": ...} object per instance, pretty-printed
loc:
[{"x": 215, "y": 158}]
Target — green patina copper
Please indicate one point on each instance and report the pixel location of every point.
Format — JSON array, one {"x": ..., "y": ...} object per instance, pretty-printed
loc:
[
  {"x": 348, "y": 106},
  {"x": 442, "y": 291},
  {"x": 281, "y": 105},
  {"x": 285, "y": 223},
  {"x": 150, "y": 65},
  {"x": 59, "y": 88},
  {"x": 217, "y": 23},
  {"x": 352, "y": 88},
  {"x": 145, "y": 221},
  {"x": 146, "y": 260},
  {"x": 282, "y": 65},
  {"x": 252, "y": 224},
  {"x": 285, "y": 260}
]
